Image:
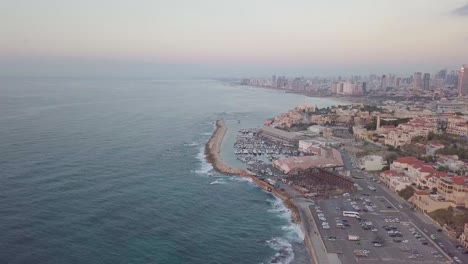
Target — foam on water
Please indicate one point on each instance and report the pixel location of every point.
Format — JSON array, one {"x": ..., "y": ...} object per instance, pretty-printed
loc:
[
  {"x": 219, "y": 181},
  {"x": 205, "y": 167},
  {"x": 191, "y": 144},
  {"x": 284, "y": 254},
  {"x": 293, "y": 231}
]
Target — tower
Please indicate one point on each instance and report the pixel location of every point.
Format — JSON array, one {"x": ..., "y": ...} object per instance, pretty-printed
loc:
[
  {"x": 426, "y": 80},
  {"x": 463, "y": 81},
  {"x": 417, "y": 80}
]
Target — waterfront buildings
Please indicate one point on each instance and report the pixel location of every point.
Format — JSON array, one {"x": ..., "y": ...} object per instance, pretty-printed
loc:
[
  {"x": 327, "y": 158},
  {"x": 278, "y": 136}
]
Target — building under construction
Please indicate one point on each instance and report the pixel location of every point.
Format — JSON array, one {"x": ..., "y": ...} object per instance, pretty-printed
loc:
[{"x": 320, "y": 181}]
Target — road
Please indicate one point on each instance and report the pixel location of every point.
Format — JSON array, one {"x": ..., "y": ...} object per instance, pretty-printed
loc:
[{"x": 420, "y": 220}]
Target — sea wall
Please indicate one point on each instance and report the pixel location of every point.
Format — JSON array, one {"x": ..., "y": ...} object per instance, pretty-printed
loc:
[{"x": 212, "y": 154}]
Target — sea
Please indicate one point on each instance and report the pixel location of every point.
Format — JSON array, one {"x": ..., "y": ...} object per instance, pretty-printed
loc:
[{"x": 112, "y": 170}]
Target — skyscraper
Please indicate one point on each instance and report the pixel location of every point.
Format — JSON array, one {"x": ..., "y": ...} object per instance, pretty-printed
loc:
[
  {"x": 383, "y": 82},
  {"x": 463, "y": 81},
  {"x": 426, "y": 80},
  {"x": 417, "y": 80}
]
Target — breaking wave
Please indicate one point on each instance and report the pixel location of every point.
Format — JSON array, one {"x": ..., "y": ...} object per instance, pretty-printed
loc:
[
  {"x": 205, "y": 167},
  {"x": 284, "y": 250}
]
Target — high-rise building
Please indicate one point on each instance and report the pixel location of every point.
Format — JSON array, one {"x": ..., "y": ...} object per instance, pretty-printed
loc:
[
  {"x": 273, "y": 79},
  {"x": 383, "y": 82},
  {"x": 463, "y": 81},
  {"x": 397, "y": 82},
  {"x": 426, "y": 79},
  {"x": 442, "y": 74},
  {"x": 417, "y": 80}
]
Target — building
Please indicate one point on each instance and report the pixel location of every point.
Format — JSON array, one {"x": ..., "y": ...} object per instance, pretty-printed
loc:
[
  {"x": 417, "y": 81},
  {"x": 426, "y": 80},
  {"x": 457, "y": 125},
  {"x": 425, "y": 203},
  {"x": 453, "y": 189},
  {"x": 372, "y": 163},
  {"x": 397, "y": 82},
  {"x": 464, "y": 237},
  {"x": 311, "y": 146},
  {"x": 279, "y": 136},
  {"x": 383, "y": 82},
  {"x": 401, "y": 164},
  {"x": 451, "y": 107},
  {"x": 463, "y": 81},
  {"x": 328, "y": 158}
]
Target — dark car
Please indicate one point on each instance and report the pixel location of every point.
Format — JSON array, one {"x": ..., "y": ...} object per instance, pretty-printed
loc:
[
  {"x": 397, "y": 240},
  {"x": 439, "y": 230}
]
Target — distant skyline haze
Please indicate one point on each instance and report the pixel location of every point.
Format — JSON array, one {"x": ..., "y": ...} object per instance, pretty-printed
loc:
[{"x": 213, "y": 38}]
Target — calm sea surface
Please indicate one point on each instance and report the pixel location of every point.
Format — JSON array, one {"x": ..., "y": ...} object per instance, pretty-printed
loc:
[{"x": 112, "y": 171}]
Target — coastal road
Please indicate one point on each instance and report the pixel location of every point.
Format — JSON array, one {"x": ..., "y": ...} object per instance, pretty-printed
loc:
[
  {"x": 443, "y": 242},
  {"x": 310, "y": 228}
]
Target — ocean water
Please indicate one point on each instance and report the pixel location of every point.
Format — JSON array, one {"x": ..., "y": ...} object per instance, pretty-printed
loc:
[{"x": 113, "y": 171}]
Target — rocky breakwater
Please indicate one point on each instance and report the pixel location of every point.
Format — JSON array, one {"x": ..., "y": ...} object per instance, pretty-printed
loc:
[{"x": 212, "y": 154}]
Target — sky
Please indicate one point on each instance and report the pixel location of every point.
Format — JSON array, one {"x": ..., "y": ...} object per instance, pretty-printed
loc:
[{"x": 221, "y": 38}]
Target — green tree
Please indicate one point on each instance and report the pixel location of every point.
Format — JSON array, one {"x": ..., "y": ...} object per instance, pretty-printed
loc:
[{"x": 407, "y": 192}]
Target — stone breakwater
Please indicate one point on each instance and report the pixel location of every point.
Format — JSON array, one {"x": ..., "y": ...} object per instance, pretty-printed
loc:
[{"x": 212, "y": 150}]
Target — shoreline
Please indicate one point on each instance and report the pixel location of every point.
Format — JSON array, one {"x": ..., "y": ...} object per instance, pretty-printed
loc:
[
  {"x": 212, "y": 151},
  {"x": 341, "y": 99}
]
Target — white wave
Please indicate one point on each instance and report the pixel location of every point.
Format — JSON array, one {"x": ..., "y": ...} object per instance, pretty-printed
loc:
[
  {"x": 241, "y": 179},
  {"x": 218, "y": 182},
  {"x": 284, "y": 254},
  {"x": 191, "y": 144},
  {"x": 293, "y": 231},
  {"x": 205, "y": 167}
]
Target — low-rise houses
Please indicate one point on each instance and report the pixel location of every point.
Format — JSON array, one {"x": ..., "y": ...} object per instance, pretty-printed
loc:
[
  {"x": 426, "y": 203},
  {"x": 454, "y": 189},
  {"x": 394, "y": 181},
  {"x": 447, "y": 190},
  {"x": 452, "y": 163},
  {"x": 457, "y": 125}
]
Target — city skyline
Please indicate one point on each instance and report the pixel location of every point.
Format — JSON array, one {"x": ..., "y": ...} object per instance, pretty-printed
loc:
[{"x": 216, "y": 38}]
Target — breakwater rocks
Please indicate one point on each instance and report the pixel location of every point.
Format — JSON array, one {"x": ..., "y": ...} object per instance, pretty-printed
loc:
[{"x": 212, "y": 150}]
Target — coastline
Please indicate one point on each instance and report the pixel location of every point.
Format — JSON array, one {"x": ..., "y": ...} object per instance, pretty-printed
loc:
[
  {"x": 212, "y": 151},
  {"x": 341, "y": 99}
]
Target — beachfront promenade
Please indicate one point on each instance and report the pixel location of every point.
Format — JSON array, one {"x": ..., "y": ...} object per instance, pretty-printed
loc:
[{"x": 298, "y": 205}]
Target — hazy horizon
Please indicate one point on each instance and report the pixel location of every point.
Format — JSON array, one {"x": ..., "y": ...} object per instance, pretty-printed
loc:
[{"x": 210, "y": 38}]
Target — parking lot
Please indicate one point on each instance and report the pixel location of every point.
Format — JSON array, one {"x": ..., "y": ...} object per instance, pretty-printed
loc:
[{"x": 383, "y": 235}]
